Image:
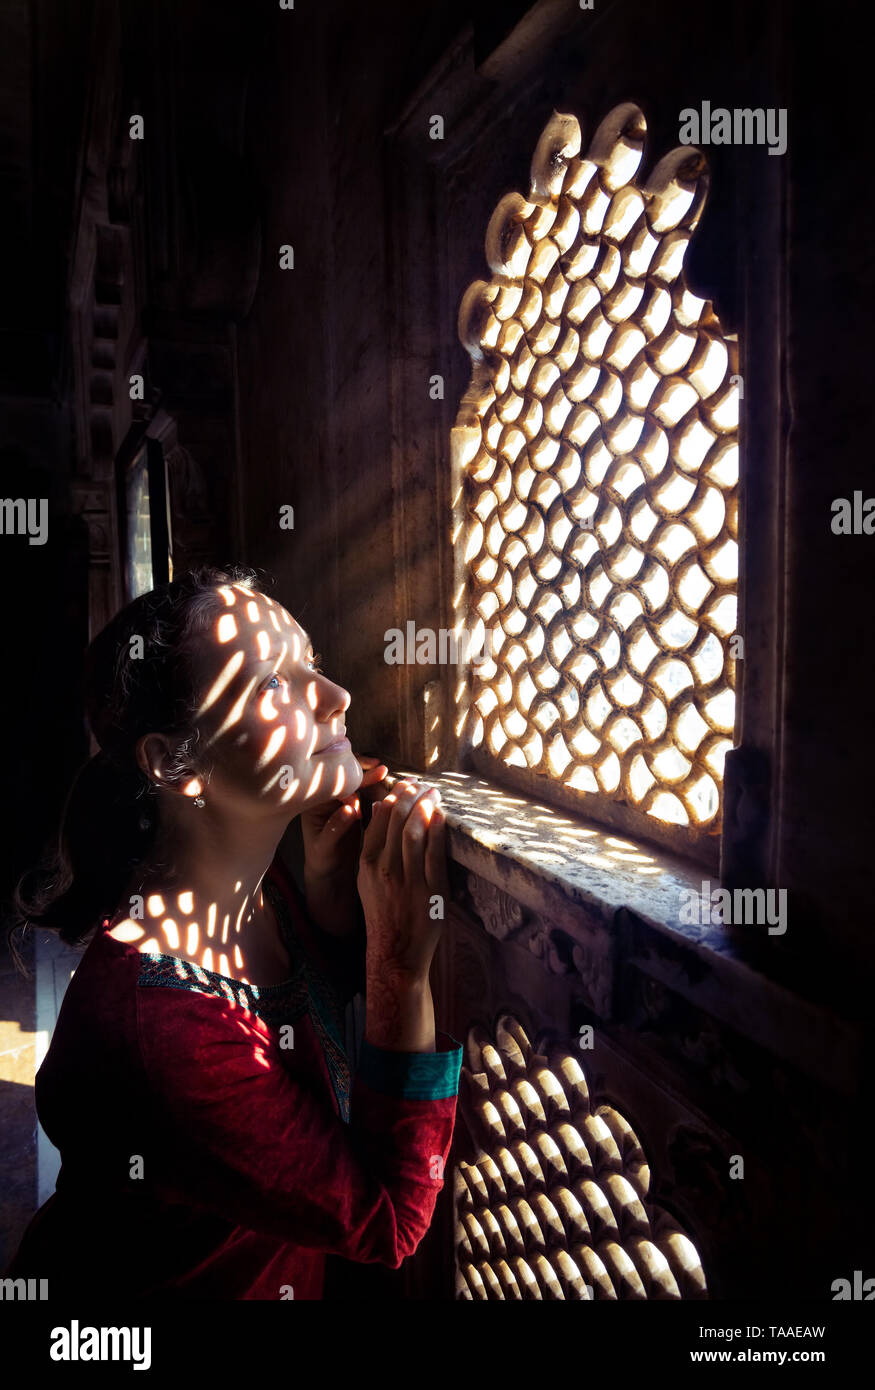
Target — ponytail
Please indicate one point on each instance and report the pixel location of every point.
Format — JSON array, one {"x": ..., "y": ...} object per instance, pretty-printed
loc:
[{"x": 107, "y": 826}]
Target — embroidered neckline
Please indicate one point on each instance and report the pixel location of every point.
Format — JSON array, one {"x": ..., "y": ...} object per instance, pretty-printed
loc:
[
  {"x": 305, "y": 992},
  {"x": 278, "y": 904}
]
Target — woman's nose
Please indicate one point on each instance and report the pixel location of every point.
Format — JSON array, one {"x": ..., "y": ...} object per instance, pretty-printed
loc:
[{"x": 333, "y": 700}]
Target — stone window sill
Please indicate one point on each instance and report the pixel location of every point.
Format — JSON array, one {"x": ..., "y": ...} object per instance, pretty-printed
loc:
[{"x": 589, "y": 901}]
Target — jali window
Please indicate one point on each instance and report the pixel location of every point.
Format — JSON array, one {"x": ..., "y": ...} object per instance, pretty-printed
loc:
[
  {"x": 557, "y": 1202},
  {"x": 596, "y": 465}
]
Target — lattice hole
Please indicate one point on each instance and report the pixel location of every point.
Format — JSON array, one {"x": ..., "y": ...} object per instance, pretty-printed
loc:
[
  {"x": 598, "y": 441},
  {"x": 555, "y": 1205}
]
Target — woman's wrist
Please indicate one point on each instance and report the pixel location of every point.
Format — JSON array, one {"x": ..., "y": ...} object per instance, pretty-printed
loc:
[
  {"x": 399, "y": 1012},
  {"x": 331, "y": 903}
]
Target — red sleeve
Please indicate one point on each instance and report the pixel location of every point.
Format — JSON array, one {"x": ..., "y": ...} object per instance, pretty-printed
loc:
[{"x": 258, "y": 1146}]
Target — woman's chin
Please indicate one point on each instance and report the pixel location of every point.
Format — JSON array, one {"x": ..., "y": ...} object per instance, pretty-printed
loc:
[{"x": 353, "y": 773}]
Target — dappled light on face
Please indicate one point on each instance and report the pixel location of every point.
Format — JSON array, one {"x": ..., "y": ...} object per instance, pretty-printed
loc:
[
  {"x": 315, "y": 782},
  {"x": 267, "y": 709},
  {"x": 185, "y": 901},
  {"x": 258, "y": 682},
  {"x": 219, "y": 686},
  {"x": 279, "y": 776},
  {"x": 274, "y": 744},
  {"x": 155, "y": 905},
  {"x": 235, "y": 712}
]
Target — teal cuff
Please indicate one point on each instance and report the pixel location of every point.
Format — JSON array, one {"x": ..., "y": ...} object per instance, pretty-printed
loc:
[{"x": 413, "y": 1075}]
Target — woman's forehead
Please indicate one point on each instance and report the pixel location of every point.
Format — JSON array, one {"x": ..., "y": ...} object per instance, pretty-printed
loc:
[{"x": 257, "y": 624}]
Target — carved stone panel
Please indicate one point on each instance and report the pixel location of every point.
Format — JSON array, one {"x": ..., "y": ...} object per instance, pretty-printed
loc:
[{"x": 587, "y": 956}]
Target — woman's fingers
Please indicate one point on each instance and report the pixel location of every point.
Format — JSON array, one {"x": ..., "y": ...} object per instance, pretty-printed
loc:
[
  {"x": 373, "y": 772},
  {"x": 400, "y": 833},
  {"x": 345, "y": 816},
  {"x": 402, "y": 797},
  {"x": 414, "y": 838},
  {"x": 406, "y": 795},
  {"x": 436, "y": 855},
  {"x": 374, "y": 842}
]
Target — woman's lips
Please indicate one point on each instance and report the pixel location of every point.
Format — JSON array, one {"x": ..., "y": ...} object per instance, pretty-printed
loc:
[{"x": 337, "y": 746}]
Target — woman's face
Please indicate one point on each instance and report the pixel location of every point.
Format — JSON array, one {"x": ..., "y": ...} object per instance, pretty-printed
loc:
[{"x": 272, "y": 727}]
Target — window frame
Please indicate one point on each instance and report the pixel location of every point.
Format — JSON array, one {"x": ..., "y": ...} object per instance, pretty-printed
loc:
[
  {"x": 136, "y": 444},
  {"x": 508, "y": 97}
]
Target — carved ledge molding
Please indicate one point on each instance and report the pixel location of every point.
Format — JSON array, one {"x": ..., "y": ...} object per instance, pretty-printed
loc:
[
  {"x": 510, "y": 921},
  {"x": 603, "y": 913}
]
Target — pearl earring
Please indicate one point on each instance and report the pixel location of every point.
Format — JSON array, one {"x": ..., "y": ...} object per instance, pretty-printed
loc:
[{"x": 199, "y": 801}]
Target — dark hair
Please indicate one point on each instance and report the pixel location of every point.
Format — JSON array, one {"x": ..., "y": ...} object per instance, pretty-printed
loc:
[{"x": 109, "y": 821}]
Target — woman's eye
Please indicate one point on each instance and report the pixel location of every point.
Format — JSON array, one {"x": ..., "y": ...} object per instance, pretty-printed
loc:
[
  {"x": 274, "y": 677},
  {"x": 315, "y": 663}
]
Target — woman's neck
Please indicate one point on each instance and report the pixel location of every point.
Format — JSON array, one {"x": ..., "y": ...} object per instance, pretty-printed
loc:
[{"x": 199, "y": 893}]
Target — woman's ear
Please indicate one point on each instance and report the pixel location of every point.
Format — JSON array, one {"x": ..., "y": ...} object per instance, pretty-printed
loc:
[{"x": 154, "y": 758}]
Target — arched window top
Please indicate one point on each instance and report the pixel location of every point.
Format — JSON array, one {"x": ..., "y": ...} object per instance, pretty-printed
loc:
[{"x": 597, "y": 459}]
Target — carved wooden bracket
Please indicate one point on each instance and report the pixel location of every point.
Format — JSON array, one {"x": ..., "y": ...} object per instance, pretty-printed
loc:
[{"x": 508, "y": 920}]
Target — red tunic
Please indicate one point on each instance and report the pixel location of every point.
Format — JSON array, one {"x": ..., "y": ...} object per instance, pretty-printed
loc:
[{"x": 211, "y": 1144}]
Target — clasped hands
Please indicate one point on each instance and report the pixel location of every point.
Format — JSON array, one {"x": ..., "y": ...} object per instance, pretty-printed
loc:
[{"x": 332, "y": 849}]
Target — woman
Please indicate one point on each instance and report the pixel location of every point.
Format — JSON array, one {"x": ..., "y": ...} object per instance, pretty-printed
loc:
[{"x": 197, "y": 1087}]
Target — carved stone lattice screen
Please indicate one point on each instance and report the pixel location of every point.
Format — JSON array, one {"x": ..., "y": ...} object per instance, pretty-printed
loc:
[
  {"x": 595, "y": 463},
  {"x": 555, "y": 1204}
]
